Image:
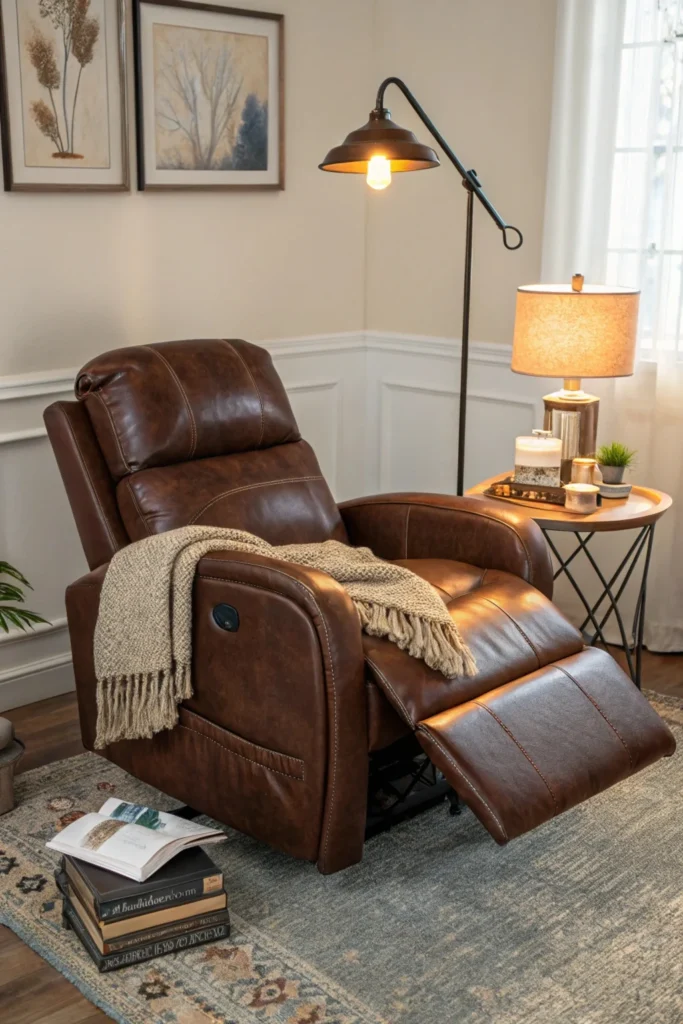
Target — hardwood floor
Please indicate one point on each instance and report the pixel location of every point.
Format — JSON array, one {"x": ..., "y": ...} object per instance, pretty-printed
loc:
[{"x": 32, "y": 992}]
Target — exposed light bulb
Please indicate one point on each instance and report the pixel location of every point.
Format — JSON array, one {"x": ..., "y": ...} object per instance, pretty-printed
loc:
[{"x": 379, "y": 172}]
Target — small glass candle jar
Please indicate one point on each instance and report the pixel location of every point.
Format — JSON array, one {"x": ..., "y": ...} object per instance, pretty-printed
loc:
[
  {"x": 586, "y": 471},
  {"x": 581, "y": 498},
  {"x": 538, "y": 459}
]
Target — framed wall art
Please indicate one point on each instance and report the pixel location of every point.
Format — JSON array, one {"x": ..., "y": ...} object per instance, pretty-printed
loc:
[
  {"x": 209, "y": 96},
  {"x": 63, "y": 95}
]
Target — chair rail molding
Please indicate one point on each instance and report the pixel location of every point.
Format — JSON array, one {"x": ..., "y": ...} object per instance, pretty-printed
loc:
[{"x": 378, "y": 407}]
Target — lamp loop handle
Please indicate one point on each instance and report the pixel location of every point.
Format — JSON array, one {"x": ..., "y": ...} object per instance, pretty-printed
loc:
[{"x": 520, "y": 237}]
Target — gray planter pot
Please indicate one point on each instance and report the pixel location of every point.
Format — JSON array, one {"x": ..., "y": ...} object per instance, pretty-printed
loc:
[{"x": 612, "y": 474}]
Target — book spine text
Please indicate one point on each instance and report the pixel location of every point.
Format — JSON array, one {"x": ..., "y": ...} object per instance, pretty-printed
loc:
[{"x": 113, "y": 961}]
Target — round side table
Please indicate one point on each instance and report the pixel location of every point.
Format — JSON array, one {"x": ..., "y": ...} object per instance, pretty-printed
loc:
[{"x": 640, "y": 511}]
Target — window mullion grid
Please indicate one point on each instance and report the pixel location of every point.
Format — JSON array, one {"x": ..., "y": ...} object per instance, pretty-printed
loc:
[{"x": 649, "y": 173}]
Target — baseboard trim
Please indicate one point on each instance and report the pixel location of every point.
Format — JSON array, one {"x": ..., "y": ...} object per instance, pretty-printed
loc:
[{"x": 36, "y": 681}]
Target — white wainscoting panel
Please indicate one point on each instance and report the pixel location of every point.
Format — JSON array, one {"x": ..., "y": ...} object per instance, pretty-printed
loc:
[
  {"x": 412, "y": 419},
  {"x": 379, "y": 409},
  {"x": 38, "y": 535},
  {"x": 412, "y": 412}
]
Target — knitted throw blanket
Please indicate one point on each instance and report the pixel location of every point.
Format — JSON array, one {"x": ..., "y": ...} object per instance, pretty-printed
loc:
[{"x": 143, "y": 638}]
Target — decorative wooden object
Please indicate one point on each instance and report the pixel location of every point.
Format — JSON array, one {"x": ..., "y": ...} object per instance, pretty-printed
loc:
[{"x": 11, "y": 752}]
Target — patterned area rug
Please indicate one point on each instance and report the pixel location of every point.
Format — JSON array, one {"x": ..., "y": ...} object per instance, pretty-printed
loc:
[{"x": 580, "y": 922}]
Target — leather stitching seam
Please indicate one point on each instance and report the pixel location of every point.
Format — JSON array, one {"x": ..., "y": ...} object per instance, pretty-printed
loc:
[
  {"x": 84, "y": 464},
  {"x": 98, "y": 394},
  {"x": 256, "y": 387},
  {"x": 297, "y": 778},
  {"x": 528, "y": 756},
  {"x": 599, "y": 710},
  {"x": 250, "y": 487},
  {"x": 183, "y": 395},
  {"x": 134, "y": 499},
  {"x": 430, "y": 736},
  {"x": 518, "y": 628},
  {"x": 407, "y": 522},
  {"x": 334, "y": 730}
]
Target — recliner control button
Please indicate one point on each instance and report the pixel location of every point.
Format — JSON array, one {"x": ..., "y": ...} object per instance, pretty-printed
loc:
[{"x": 227, "y": 617}]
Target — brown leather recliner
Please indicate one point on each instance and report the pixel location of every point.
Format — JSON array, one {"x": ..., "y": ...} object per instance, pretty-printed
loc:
[{"x": 290, "y": 708}]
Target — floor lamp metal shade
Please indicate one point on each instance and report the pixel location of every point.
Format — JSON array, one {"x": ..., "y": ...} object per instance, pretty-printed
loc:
[
  {"x": 572, "y": 331},
  {"x": 383, "y": 139}
]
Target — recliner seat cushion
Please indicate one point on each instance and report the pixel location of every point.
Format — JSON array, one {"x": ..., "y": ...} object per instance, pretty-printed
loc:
[{"x": 510, "y": 627}]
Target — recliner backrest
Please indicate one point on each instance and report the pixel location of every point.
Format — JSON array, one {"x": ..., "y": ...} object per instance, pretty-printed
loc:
[{"x": 195, "y": 432}]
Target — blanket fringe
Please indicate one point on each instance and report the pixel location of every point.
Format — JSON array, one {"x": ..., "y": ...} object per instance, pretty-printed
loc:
[
  {"x": 438, "y": 644},
  {"x": 138, "y": 706}
]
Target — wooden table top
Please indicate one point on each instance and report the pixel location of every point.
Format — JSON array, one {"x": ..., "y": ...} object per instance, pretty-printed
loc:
[{"x": 643, "y": 506}]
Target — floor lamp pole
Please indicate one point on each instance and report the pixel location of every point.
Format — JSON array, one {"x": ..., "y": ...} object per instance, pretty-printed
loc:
[{"x": 465, "y": 346}]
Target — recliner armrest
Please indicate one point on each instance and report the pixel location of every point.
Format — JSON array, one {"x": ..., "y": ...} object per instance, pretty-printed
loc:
[
  {"x": 485, "y": 533},
  {"x": 290, "y": 679}
]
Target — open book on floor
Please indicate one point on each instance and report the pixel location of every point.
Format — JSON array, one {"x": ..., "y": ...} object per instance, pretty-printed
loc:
[{"x": 129, "y": 839}]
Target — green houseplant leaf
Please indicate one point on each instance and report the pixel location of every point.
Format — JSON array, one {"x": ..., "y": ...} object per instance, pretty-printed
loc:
[{"x": 10, "y": 614}]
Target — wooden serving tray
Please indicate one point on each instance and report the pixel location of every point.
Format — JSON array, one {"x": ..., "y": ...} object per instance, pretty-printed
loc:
[{"x": 527, "y": 494}]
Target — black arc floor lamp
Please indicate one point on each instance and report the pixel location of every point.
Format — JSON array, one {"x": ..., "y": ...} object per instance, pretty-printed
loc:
[{"x": 380, "y": 148}]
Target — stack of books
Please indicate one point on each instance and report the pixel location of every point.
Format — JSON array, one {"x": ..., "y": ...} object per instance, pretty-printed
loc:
[
  {"x": 121, "y": 922},
  {"x": 137, "y": 885}
]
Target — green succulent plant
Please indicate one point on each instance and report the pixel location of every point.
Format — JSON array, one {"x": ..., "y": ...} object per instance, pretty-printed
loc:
[
  {"x": 10, "y": 614},
  {"x": 616, "y": 454}
]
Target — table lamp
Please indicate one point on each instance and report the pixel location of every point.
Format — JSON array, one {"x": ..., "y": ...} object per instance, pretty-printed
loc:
[
  {"x": 379, "y": 149},
  {"x": 572, "y": 331}
]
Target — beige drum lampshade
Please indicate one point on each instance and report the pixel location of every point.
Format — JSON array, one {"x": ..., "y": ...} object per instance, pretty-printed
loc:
[{"x": 560, "y": 332}]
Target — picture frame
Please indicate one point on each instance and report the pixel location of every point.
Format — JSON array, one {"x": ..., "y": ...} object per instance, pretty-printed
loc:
[
  {"x": 209, "y": 96},
  {"x": 63, "y": 96}
]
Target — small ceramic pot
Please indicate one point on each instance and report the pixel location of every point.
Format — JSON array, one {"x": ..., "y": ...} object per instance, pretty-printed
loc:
[{"x": 612, "y": 474}]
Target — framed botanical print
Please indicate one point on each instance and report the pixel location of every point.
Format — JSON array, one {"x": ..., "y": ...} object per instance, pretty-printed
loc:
[
  {"x": 63, "y": 95},
  {"x": 209, "y": 96}
]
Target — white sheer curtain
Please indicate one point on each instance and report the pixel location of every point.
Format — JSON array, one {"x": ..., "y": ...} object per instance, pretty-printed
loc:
[{"x": 615, "y": 213}]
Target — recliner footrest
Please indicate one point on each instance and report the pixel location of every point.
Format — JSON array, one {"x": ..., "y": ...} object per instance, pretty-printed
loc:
[{"x": 527, "y": 751}]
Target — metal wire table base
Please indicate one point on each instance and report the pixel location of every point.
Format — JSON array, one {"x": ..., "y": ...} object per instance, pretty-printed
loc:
[{"x": 607, "y": 604}]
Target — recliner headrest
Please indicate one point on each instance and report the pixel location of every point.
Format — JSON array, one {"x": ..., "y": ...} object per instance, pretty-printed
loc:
[{"x": 155, "y": 405}]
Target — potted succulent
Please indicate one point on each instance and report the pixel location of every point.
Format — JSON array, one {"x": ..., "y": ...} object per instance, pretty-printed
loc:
[{"x": 613, "y": 459}]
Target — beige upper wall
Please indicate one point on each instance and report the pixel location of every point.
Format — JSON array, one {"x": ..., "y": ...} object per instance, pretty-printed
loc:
[
  {"x": 83, "y": 273},
  {"x": 483, "y": 70}
]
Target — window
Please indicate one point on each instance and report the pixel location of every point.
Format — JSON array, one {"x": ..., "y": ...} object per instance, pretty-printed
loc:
[{"x": 645, "y": 242}]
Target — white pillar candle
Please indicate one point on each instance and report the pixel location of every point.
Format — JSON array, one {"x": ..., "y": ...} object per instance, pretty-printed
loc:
[
  {"x": 581, "y": 498},
  {"x": 538, "y": 460}
]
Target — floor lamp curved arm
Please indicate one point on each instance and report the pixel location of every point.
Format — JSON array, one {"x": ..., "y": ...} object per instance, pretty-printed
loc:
[{"x": 381, "y": 147}]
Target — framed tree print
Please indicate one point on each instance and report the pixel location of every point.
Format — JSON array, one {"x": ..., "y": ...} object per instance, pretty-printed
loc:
[
  {"x": 63, "y": 95},
  {"x": 209, "y": 96}
]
